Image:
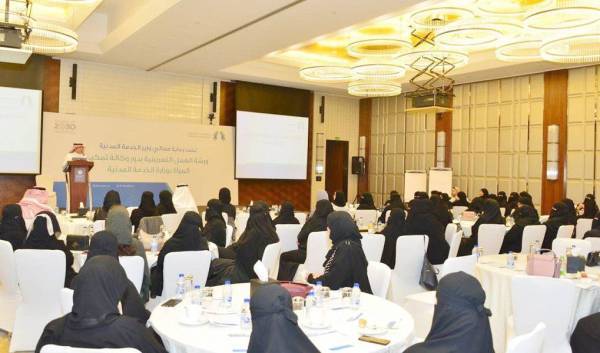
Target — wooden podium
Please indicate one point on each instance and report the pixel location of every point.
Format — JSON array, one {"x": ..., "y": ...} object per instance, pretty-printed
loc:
[{"x": 78, "y": 182}]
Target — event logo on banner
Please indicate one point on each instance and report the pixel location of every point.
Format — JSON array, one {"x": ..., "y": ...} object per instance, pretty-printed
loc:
[{"x": 144, "y": 151}]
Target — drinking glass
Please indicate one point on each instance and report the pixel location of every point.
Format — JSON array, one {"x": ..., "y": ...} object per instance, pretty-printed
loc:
[
  {"x": 346, "y": 295},
  {"x": 298, "y": 304}
]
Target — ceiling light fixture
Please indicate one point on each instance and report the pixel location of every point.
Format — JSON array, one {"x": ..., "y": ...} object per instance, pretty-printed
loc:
[
  {"x": 567, "y": 14},
  {"x": 380, "y": 48},
  {"x": 475, "y": 35},
  {"x": 578, "y": 48},
  {"x": 437, "y": 17},
  {"x": 510, "y": 7},
  {"x": 378, "y": 71},
  {"x": 45, "y": 38},
  {"x": 374, "y": 89},
  {"x": 519, "y": 49},
  {"x": 421, "y": 59},
  {"x": 330, "y": 74}
]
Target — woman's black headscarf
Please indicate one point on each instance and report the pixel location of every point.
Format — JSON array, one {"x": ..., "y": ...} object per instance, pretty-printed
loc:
[
  {"x": 286, "y": 214},
  {"x": 342, "y": 227},
  {"x": 393, "y": 229},
  {"x": 340, "y": 199},
  {"x": 366, "y": 202},
  {"x": 147, "y": 204},
  {"x": 12, "y": 227},
  {"x": 460, "y": 321},
  {"x": 421, "y": 221},
  {"x": 214, "y": 209},
  {"x": 511, "y": 204},
  {"x": 103, "y": 243},
  {"x": 559, "y": 216},
  {"x": 317, "y": 222},
  {"x": 572, "y": 212},
  {"x": 502, "y": 200},
  {"x": 274, "y": 325},
  {"x": 461, "y": 200},
  {"x": 476, "y": 205},
  {"x": 491, "y": 213},
  {"x": 41, "y": 235},
  {"x": 440, "y": 210},
  {"x": 260, "y": 221},
  {"x": 111, "y": 198},
  {"x": 485, "y": 193},
  {"x": 165, "y": 203},
  {"x": 525, "y": 216},
  {"x": 590, "y": 208},
  {"x": 225, "y": 196}
]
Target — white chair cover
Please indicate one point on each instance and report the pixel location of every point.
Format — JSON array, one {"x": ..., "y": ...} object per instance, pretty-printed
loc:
[
  {"x": 531, "y": 235},
  {"x": 99, "y": 226},
  {"x": 455, "y": 244},
  {"x": 134, "y": 269},
  {"x": 300, "y": 216},
  {"x": 531, "y": 342},
  {"x": 366, "y": 216},
  {"x": 41, "y": 276},
  {"x": 271, "y": 259},
  {"x": 372, "y": 245},
  {"x": 241, "y": 218},
  {"x": 544, "y": 218},
  {"x": 548, "y": 300},
  {"x": 451, "y": 229},
  {"x": 51, "y": 348},
  {"x": 565, "y": 231},
  {"x": 171, "y": 222},
  {"x": 9, "y": 290},
  {"x": 465, "y": 264},
  {"x": 379, "y": 277},
  {"x": 490, "y": 237},
  {"x": 195, "y": 263},
  {"x": 316, "y": 249},
  {"x": 594, "y": 243},
  {"x": 410, "y": 252},
  {"x": 214, "y": 250},
  {"x": 582, "y": 246},
  {"x": 130, "y": 209},
  {"x": 583, "y": 225},
  {"x": 457, "y": 211},
  {"x": 228, "y": 235},
  {"x": 66, "y": 300},
  {"x": 288, "y": 236}
]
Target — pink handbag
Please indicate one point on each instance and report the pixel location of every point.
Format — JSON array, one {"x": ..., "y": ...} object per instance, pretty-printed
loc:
[{"x": 546, "y": 264}]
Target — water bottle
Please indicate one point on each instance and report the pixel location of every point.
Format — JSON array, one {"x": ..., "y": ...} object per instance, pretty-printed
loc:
[
  {"x": 510, "y": 260},
  {"x": 538, "y": 247},
  {"x": 227, "y": 294},
  {"x": 476, "y": 251},
  {"x": 310, "y": 304},
  {"x": 318, "y": 294},
  {"x": 355, "y": 298},
  {"x": 180, "y": 287},
  {"x": 154, "y": 244},
  {"x": 197, "y": 295},
  {"x": 245, "y": 319}
]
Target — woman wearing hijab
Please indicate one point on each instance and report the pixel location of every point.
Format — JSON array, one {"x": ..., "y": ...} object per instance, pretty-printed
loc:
[
  {"x": 119, "y": 224},
  {"x": 421, "y": 221},
  {"x": 460, "y": 321},
  {"x": 12, "y": 227},
  {"x": 339, "y": 201},
  {"x": 476, "y": 205},
  {"x": 559, "y": 216},
  {"x": 286, "y": 215},
  {"x": 95, "y": 321},
  {"x": 187, "y": 237},
  {"x": 491, "y": 215},
  {"x": 42, "y": 237},
  {"x": 446, "y": 199},
  {"x": 225, "y": 198},
  {"x": 111, "y": 198},
  {"x": 250, "y": 247},
  {"x": 502, "y": 200},
  {"x": 322, "y": 195},
  {"x": 165, "y": 203},
  {"x": 440, "y": 210},
  {"x": 215, "y": 229},
  {"x": 484, "y": 193},
  {"x": 572, "y": 212},
  {"x": 511, "y": 204},
  {"x": 274, "y": 325},
  {"x": 586, "y": 337},
  {"x": 147, "y": 208},
  {"x": 317, "y": 222},
  {"x": 345, "y": 263},
  {"x": 524, "y": 216},
  {"x": 395, "y": 201},
  {"x": 393, "y": 229},
  {"x": 588, "y": 208},
  {"x": 461, "y": 200},
  {"x": 527, "y": 201},
  {"x": 366, "y": 202}
]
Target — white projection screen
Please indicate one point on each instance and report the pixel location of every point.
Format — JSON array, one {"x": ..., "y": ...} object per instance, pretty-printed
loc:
[
  {"x": 20, "y": 130},
  {"x": 270, "y": 146}
]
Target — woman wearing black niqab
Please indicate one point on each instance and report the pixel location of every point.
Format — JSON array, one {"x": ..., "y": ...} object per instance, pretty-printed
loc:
[
  {"x": 460, "y": 321},
  {"x": 512, "y": 204},
  {"x": 286, "y": 214},
  {"x": 290, "y": 260},
  {"x": 502, "y": 200},
  {"x": 147, "y": 208},
  {"x": 461, "y": 200},
  {"x": 421, "y": 221},
  {"x": 393, "y": 229},
  {"x": 225, "y": 198},
  {"x": 111, "y": 198},
  {"x": 491, "y": 215},
  {"x": 572, "y": 212},
  {"x": 274, "y": 325},
  {"x": 524, "y": 216},
  {"x": 187, "y": 237},
  {"x": 395, "y": 201},
  {"x": 13, "y": 228},
  {"x": 215, "y": 229},
  {"x": 440, "y": 210},
  {"x": 165, "y": 203},
  {"x": 95, "y": 321},
  {"x": 345, "y": 263},
  {"x": 339, "y": 200},
  {"x": 366, "y": 202},
  {"x": 559, "y": 216},
  {"x": 476, "y": 205}
]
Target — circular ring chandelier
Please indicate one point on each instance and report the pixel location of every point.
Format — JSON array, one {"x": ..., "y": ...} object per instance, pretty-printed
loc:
[
  {"x": 437, "y": 17},
  {"x": 374, "y": 89},
  {"x": 378, "y": 71},
  {"x": 327, "y": 73},
  {"x": 475, "y": 35},
  {"x": 45, "y": 38},
  {"x": 380, "y": 48},
  {"x": 568, "y": 14},
  {"x": 510, "y": 7},
  {"x": 579, "y": 48},
  {"x": 519, "y": 49},
  {"x": 421, "y": 59}
]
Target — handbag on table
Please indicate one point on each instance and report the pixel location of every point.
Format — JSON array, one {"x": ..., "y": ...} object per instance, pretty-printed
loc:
[
  {"x": 593, "y": 258},
  {"x": 544, "y": 264}
]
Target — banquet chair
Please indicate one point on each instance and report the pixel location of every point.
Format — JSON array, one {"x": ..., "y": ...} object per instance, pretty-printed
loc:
[
  {"x": 565, "y": 231},
  {"x": 451, "y": 229},
  {"x": 316, "y": 249},
  {"x": 214, "y": 250},
  {"x": 457, "y": 211},
  {"x": 532, "y": 304},
  {"x": 271, "y": 259},
  {"x": 223, "y": 214},
  {"x": 66, "y": 300},
  {"x": 41, "y": 276},
  {"x": 455, "y": 244},
  {"x": 531, "y": 342},
  {"x": 366, "y": 216},
  {"x": 130, "y": 210},
  {"x": 134, "y": 269},
  {"x": 583, "y": 225},
  {"x": 490, "y": 237},
  {"x": 465, "y": 264},
  {"x": 171, "y": 222},
  {"x": 544, "y": 218},
  {"x": 9, "y": 289},
  {"x": 195, "y": 263},
  {"x": 228, "y": 235},
  {"x": 582, "y": 246},
  {"x": 99, "y": 226},
  {"x": 288, "y": 236},
  {"x": 300, "y": 216},
  {"x": 531, "y": 235},
  {"x": 241, "y": 218},
  {"x": 52, "y": 348},
  {"x": 151, "y": 225},
  {"x": 410, "y": 253},
  {"x": 379, "y": 277},
  {"x": 594, "y": 243},
  {"x": 372, "y": 245}
]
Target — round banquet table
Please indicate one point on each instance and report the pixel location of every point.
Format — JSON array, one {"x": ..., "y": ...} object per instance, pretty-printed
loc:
[
  {"x": 79, "y": 258},
  {"x": 341, "y": 336},
  {"x": 496, "y": 280},
  {"x": 73, "y": 226}
]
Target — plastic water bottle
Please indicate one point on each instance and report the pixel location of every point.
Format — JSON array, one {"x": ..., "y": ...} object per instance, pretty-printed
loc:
[
  {"x": 355, "y": 298},
  {"x": 154, "y": 244},
  {"x": 318, "y": 293},
  {"x": 197, "y": 295},
  {"x": 227, "y": 294},
  {"x": 180, "y": 287},
  {"x": 510, "y": 260},
  {"x": 310, "y": 304},
  {"x": 245, "y": 319},
  {"x": 476, "y": 251}
]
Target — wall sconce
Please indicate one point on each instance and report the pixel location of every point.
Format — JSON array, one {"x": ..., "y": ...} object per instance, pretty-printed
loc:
[
  {"x": 320, "y": 155},
  {"x": 440, "y": 146},
  {"x": 552, "y": 153}
]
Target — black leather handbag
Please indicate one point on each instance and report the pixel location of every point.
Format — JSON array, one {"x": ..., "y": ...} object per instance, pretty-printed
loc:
[
  {"x": 593, "y": 258},
  {"x": 428, "y": 278}
]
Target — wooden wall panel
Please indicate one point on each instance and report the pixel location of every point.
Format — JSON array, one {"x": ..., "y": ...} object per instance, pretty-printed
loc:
[
  {"x": 443, "y": 122},
  {"x": 364, "y": 129},
  {"x": 51, "y": 85},
  {"x": 227, "y": 103}
]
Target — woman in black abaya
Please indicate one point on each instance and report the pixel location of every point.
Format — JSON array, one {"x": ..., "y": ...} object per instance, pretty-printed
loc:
[
  {"x": 165, "y": 203},
  {"x": 512, "y": 204},
  {"x": 225, "y": 198},
  {"x": 215, "y": 229},
  {"x": 559, "y": 216},
  {"x": 421, "y": 221},
  {"x": 95, "y": 321},
  {"x": 147, "y": 208},
  {"x": 491, "y": 215},
  {"x": 572, "y": 211},
  {"x": 12, "y": 228},
  {"x": 366, "y": 202},
  {"x": 286, "y": 214},
  {"x": 461, "y": 200},
  {"x": 395, "y": 201},
  {"x": 502, "y": 200},
  {"x": 588, "y": 208},
  {"x": 111, "y": 198},
  {"x": 440, "y": 210},
  {"x": 393, "y": 229},
  {"x": 524, "y": 216},
  {"x": 339, "y": 200},
  {"x": 586, "y": 337}
]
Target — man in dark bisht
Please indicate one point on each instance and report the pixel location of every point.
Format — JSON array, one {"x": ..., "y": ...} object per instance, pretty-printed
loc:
[
  {"x": 460, "y": 321},
  {"x": 345, "y": 263},
  {"x": 286, "y": 214},
  {"x": 95, "y": 321},
  {"x": 13, "y": 228},
  {"x": 394, "y": 228},
  {"x": 215, "y": 229},
  {"x": 165, "y": 203},
  {"x": 559, "y": 216},
  {"x": 491, "y": 215},
  {"x": 513, "y": 240},
  {"x": 274, "y": 325},
  {"x": 586, "y": 337},
  {"x": 421, "y": 221}
]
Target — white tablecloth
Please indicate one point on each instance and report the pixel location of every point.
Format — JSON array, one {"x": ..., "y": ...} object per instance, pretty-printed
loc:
[
  {"x": 79, "y": 258},
  {"x": 210, "y": 338},
  {"x": 466, "y": 228},
  {"x": 496, "y": 280},
  {"x": 73, "y": 226}
]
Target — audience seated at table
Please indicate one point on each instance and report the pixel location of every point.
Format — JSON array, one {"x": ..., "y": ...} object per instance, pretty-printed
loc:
[
  {"x": 524, "y": 216},
  {"x": 43, "y": 236},
  {"x": 249, "y": 248},
  {"x": 12, "y": 226},
  {"x": 440, "y": 210},
  {"x": 317, "y": 222},
  {"x": 225, "y": 198},
  {"x": 491, "y": 215},
  {"x": 345, "y": 263},
  {"x": 421, "y": 221},
  {"x": 111, "y": 199},
  {"x": 340, "y": 202},
  {"x": 476, "y": 205},
  {"x": 395, "y": 201},
  {"x": 94, "y": 321},
  {"x": 119, "y": 224},
  {"x": 286, "y": 214},
  {"x": 572, "y": 211},
  {"x": 274, "y": 325},
  {"x": 215, "y": 229},
  {"x": 586, "y": 337},
  {"x": 394, "y": 228},
  {"x": 559, "y": 216},
  {"x": 526, "y": 200},
  {"x": 187, "y": 237},
  {"x": 165, "y": 203},
  {"x": 461, "y": 200},
  {"x": 588, "y": 208},
  {"x": 460, "y": 321},
  {"x": 366, "y": 202},
  {"x": 147, "y": 208}
]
